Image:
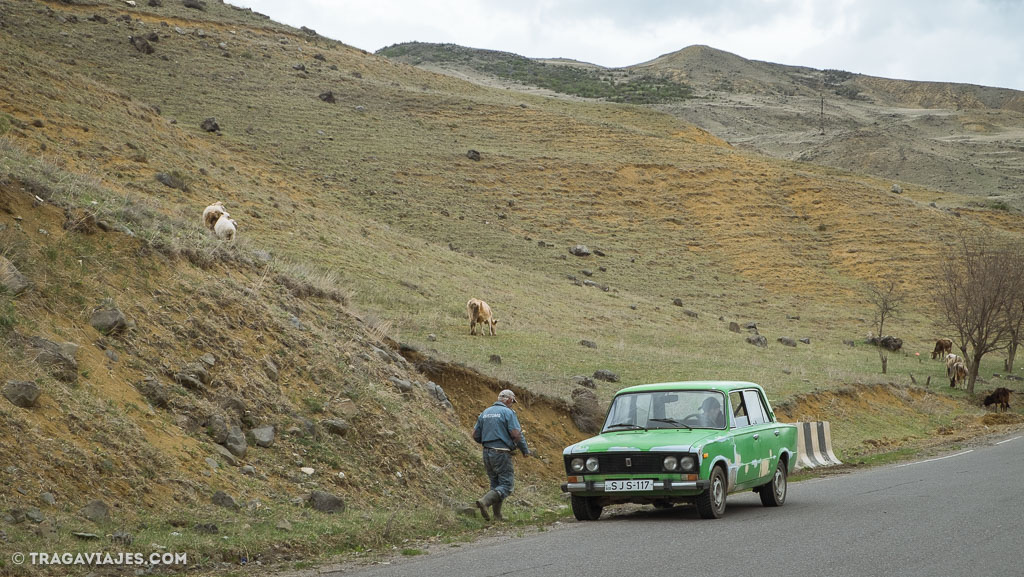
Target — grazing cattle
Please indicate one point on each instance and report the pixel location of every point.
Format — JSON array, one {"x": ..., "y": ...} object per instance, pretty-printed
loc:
[
  {"x": 1000, "y": 398},
  {"x": 942, "y": 348},
  {"x": 225, "y": 227},
  {"x": 480, "y": 312},
  {"x": 212, "y": 213},
  {"x": 952, "y": 359},
  {"x": 957, "y": 374}
]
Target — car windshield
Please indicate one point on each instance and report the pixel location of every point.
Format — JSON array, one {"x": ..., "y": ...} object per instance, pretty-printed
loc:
[{"x": 666, "y": 410}]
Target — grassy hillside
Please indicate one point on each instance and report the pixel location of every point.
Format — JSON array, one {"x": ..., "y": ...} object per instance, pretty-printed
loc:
[{"x": 363, "y": 224}]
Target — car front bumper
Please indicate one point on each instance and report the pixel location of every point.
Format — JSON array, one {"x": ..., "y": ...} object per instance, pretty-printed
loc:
[{"x": 599, "y": 486}]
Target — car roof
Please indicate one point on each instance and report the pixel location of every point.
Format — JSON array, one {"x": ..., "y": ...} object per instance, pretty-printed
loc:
[{"x": 722, "y": 386}]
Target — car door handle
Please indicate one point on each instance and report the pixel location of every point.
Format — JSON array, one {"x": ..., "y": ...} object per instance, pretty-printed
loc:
[
  {"x": 757, "y": 436},
  {"x": 777, "y": 432}
]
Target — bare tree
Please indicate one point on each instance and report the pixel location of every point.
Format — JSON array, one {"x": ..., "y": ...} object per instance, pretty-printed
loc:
[
  {"x": 1016, "y": 309},
  {"x": 977, "y": 296},
  {"x": 888, "y": 297}
]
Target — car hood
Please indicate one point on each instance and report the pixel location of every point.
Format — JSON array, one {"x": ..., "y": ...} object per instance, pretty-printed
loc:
[{"x": 674, "y": 440}]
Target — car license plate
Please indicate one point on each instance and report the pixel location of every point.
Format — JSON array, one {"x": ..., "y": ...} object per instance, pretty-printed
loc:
[{"x": 630, "y": 485}]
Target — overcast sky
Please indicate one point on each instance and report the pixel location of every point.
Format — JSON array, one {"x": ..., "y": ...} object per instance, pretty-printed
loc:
[{"x": 970, "y": 41}]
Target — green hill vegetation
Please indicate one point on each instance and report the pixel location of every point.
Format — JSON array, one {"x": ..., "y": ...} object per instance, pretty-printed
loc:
[{"x": 364, "y": 226}]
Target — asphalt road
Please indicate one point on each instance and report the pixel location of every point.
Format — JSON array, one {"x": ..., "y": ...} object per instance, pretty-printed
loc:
[{"x": 958, "y": 514}]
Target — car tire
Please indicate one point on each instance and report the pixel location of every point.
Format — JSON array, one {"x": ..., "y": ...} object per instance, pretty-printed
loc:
[
  {"x": 586, "y": 508},
  {"x": 773, "y": 493},
  {"x": 711, "y": 503}
]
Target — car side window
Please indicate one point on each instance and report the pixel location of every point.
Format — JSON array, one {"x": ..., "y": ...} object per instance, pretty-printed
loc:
[
  {"x": 739, "y": 410},
  {"x": 755, "y": 408}
]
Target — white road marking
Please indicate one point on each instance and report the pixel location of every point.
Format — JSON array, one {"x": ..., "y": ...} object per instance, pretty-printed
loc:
[
  {"x": 936, "y": 459},
  {"x": 1007, "y": 440}
]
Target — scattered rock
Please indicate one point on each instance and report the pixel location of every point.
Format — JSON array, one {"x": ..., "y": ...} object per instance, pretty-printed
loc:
[
  {"x": 263, "y": 436},
  {"x": 758, "y": 340},
  {"x": 336, "y": 427},
  {"x": 34, "y": 514},
  {"x": 606, "y": 375},
  {"x": 283, "y": 525},
  {"x": 235, "y": 441},
  {"x": 689, "y": 313},
  {"x": 270, "y": 369},
  {"x": 194, "y": 4},
  {"x": 584, "y": 381},
  {"x": 122, "y": 538},
  {"x": 109, "y": 321},
  {"x": 887, "y": 342},
  {"x": 11, "y": 280},
  {"x": 473, "y": 154},
  {"x": 678, "y": 302},
  {"x": 495, "y": 359},
  {"x": 48, "y": 498},
  {"x": 327, "y": 97},
  {"x": 172, "y": 180},
  {"x": 208, "y": 528},
  {"x": 734, "y": 326},
  {"x": 805, "y": 340},
  {"x": 141, "y": 44},
  {"x": 438, "y": 393},
  {"x": 96, "y": 511},
  {"x": 54, "y": 358},
  {"x": 23, "y": 394},
  {"x": 326, "y": 502},
  {"x": 211, "y": 463},
  {"x": 431, "y": 337},
  {"x": 222, "y": 499},
  {"x": 84, "y": 536},
  {"x": 588, "y": 344},
  {"x": 248, "y": 470},
  {"x": 579, "y": 250},
  {"x": 403, "y": 386},
  {"x": 896, "y": 189},
  {"x": 787, "y": 341},
  {"x": 210, "y": 125},
  {"x": 307, "y": 470}
]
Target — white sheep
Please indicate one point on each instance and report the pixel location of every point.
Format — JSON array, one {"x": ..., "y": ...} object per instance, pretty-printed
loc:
[
  {"x": 212, "y": 213},
  {"x": 225, "y": 227}
]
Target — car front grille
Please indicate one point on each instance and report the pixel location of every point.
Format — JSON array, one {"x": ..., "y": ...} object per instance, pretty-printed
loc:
[{"x": 622, "y": 463}]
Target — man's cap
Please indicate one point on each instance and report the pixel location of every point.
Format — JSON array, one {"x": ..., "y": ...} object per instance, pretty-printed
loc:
[{"x": 507, "y": 394}]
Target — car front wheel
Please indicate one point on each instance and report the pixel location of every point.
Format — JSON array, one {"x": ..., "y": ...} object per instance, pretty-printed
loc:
[
  {"x": 586, "y": 508},
  {"x": 711, "y": 503},
  {"x": 773, "y": 494}
]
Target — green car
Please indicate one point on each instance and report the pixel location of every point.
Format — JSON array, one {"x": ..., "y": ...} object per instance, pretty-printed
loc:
[{"x": 686, "y": 442}]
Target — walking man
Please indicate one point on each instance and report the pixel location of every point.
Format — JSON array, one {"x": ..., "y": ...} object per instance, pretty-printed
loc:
[{"x": 498, "y": 430}]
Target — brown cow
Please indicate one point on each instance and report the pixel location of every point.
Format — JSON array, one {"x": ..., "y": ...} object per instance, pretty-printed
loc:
[
  {"x": 480, "y": 313},
  {"x": 957, "y": 374},
  {"x": 942, "y": 348},
  {"x": 1000, "y": 398}
]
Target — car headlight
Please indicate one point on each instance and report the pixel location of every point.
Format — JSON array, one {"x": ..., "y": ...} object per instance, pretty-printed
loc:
[
  {"x": 688, "y": 463},
  {"x": 576, "y": 465},
  {"x": 670, "y": 463},
  {"x": 592, "y": 464}
]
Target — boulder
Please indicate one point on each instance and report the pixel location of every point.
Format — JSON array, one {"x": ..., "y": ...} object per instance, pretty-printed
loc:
[
  {"x": 23, "y": 394},
  {"x": 336, "y": 427},
  {"x": 54, "y": 358},
  {"x": 606, "y": 375},
  {"x": 326, "y": 502},
  {"x": 328, "y": 97},
  {"x": 473, "y": 155},
  {"x": 210, "y": 125},
  {"x": 96, "y": 511},
  {"x": 11, "y": 279},
  {"x": 758, "y": 340},
  {"x": 263, "y": 436},
  {"x": 222, "y": 499},
  {"x": 235, "y": 441},
  {"x": 579, "y": 250},
  {"x": 789, "y": 342},
  {"x": 586, "y": 412},
  {"x": 734, "y": 326},
  {"x": 108, "y": 322}
]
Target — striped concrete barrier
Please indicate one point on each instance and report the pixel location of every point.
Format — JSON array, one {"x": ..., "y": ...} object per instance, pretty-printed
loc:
[{"x": 814, "y": 445}]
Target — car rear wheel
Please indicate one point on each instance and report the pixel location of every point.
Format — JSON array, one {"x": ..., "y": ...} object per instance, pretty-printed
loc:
[
  {"x": 773, "y": 494},
  {"x": 711, "y": 503},
  {"x": 586, "y": 508}
]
